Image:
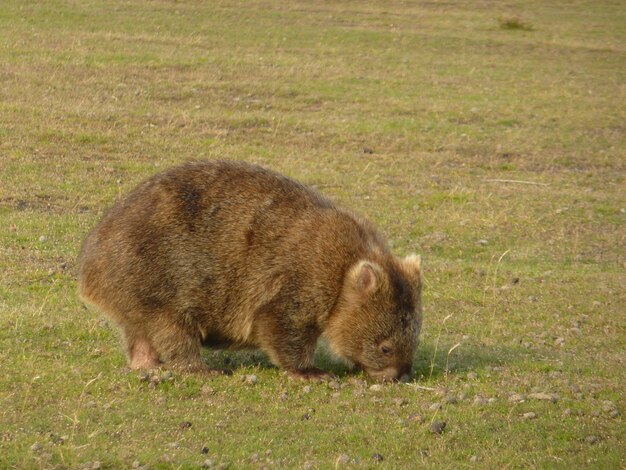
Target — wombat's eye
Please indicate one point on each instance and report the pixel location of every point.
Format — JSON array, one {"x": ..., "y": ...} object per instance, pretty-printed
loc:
[{"x": 386, "y": 349}]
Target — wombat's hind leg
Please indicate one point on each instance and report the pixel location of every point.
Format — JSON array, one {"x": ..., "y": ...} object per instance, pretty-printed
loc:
[
  {"x": 180, "y": 350},
  {"x": 142, "y": 354}
]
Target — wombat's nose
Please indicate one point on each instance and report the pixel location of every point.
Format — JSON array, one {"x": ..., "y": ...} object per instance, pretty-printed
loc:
[
  {"x": 404, "y": 373},
  {"x": 404, "y": 378}
]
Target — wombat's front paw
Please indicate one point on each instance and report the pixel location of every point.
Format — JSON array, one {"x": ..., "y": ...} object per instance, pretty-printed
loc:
[{"x": 312, "y": 373}]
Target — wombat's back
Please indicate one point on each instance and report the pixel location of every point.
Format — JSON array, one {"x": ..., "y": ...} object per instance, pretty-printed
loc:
[{"x": 209, "y": 243}]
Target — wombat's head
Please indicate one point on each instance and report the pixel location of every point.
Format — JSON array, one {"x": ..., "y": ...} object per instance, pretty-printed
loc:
[{"x": 379, "y": 316}]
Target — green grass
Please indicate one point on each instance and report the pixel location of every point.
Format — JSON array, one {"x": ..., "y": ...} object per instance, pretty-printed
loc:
[{"x": 419, "y": 116}]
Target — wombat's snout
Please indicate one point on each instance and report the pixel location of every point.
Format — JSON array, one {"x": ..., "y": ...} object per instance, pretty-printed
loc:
[{"x": 391, "y": 373}]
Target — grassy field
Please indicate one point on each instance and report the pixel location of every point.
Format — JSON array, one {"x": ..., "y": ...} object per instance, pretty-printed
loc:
[{"x": 487, "y": 136}]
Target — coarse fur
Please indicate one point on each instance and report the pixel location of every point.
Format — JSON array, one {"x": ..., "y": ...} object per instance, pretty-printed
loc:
[{"x": 231, "y": 255}]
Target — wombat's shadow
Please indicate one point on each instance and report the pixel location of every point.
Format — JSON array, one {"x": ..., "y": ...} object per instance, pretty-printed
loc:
[
  {"x": 431, "y": 361},
  {"x": 233, "y": 360}
]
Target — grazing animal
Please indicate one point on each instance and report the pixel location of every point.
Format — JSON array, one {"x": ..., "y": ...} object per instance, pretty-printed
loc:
[{"x": 231, "y": 255}]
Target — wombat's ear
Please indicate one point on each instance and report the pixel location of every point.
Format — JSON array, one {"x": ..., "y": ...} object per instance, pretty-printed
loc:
[
  {"x": 365, "y": 276},
  {"x": 412, "y": 267}
]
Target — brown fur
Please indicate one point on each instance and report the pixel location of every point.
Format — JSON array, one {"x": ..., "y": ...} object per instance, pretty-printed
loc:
[{"x": 224, "y": 254}]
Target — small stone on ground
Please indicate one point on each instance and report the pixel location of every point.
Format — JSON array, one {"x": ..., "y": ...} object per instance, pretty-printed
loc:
[
  {"x": 450, "y": 400},
  {"x": 437, "y": 427},
  {"x": 478, "y": 400},
  {"x": 517, "y": 397},
  {"x": 343, "y": 459},
  {"x": 251, "y": 379},
  {"x": 553, "y": 397}
]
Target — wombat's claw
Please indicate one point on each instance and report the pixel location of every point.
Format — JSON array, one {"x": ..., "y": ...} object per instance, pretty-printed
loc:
[{"x": 313, "y": 373}]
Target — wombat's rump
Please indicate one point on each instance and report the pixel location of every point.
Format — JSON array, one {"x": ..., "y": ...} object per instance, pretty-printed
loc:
[{"x": 225, "y": 254}]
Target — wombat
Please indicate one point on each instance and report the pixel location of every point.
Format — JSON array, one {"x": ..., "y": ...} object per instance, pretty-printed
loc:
[{"x": 231, "y": 255}]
